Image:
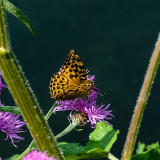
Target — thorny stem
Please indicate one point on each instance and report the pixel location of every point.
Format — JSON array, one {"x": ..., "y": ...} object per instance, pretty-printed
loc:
[
  {"x": 141, "y": 102},
  {"x": 63, "y": 133},
  {"x": 23, "y": 94},
  {"x": 33, "y": 144}
]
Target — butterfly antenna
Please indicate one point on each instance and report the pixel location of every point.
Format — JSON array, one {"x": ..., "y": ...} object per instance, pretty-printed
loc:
[
  {"x": 101, "y": 93},
  {"x": 97, "y": 83}
]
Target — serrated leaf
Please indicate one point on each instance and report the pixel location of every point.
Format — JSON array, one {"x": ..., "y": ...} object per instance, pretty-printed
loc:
[
  {"x": 101, "y": 141},
  {"x": 153, "y": 146},
  {"x": 153, "y": 154},
  {"x": 10, "y": 109},
  {"x": 19, "y": 14}
]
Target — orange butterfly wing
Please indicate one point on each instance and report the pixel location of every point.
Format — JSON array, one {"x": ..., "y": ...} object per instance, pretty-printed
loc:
[{"x": 71, "y": 81}]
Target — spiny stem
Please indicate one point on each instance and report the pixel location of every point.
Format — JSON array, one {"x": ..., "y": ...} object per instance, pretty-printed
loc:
[
  {"x": 141, "y": 102},
  {"x": 23, "y": 94},
  {"x": 33, "y": 144},
  {"x": 64, "y": 132},
  {"x": 4, "y": 42}
]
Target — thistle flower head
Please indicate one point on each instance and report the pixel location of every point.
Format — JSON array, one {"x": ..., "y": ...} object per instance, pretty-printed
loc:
[
  {"x": 11, "y": 126},
  {"x": 9, "y": 123},
  {"x": 86, "y": 108},
  {"x": 35, "y": 155}
]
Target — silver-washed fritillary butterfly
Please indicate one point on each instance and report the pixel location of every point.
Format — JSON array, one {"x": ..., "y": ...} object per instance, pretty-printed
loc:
[{"x": 71, "y": 81}]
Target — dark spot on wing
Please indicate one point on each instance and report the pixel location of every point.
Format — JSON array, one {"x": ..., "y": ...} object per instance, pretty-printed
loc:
[
  {"x": 71, "y": 76},
  {"x": 76, "y": 70}
]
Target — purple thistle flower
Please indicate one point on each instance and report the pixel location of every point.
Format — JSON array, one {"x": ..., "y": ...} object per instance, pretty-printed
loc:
[
  {"x": 87, "y": 107},
  {"x": 11, "y": 126},
  {"x": 1, "y": 84},
  {"x": 35, "y": 155}
]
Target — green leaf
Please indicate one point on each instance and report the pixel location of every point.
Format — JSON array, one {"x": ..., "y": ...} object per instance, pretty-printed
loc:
[
  {"x": 19, "y": 14},
  {"x": 102, "y": 137},
  {"x": 140, "y": 148},
  {"x": 153, "y": 146},
  {"x": 149, "y": 152},
  {"x": 101, "y": 141},
  {"x": 10, "y": 109}
]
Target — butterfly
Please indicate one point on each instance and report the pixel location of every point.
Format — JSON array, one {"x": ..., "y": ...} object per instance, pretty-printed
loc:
[{"x": 71, "y": 80}]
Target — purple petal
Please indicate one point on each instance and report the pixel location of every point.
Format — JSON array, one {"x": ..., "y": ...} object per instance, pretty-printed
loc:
[
  {"x": 35, "y": 155},
  {"x": 87, "y": 106},
  {"x": 11, "y": 126}
]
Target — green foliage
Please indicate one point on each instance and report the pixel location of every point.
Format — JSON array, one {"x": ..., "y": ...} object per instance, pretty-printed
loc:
[
  {"x": 101, "y": 141},
  {"x": 140, "y": 148},
  {"x": 147, "y": 152},
  {"x": 19, "y": 14},
  {"x": 10, "y": 109}
]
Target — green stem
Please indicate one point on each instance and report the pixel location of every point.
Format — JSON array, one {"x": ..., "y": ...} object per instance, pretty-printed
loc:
[
  {"x": 33, "y": 144},
  {"x": 50, "y": 112},
  {"x": 23, "y": 95},
  {"x": 4, "y": 42},
  {"x": 66, "y": 131},
  {"x": 141, "y": 102},
  {"x": 30, "y": 147}
]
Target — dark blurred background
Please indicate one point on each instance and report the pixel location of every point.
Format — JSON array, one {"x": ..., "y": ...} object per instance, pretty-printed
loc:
[{"x": 115, "y": 40}]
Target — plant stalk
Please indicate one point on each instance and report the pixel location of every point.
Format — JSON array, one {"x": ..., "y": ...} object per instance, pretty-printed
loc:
[
  {"x": 23, "y": 95},
  {"x": 33, "y": 144},
  {"x": 141, "y": 102}
]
